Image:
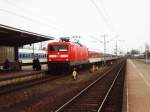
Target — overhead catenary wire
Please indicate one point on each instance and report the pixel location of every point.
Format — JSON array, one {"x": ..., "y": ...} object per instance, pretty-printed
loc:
[
  {"x": 105, "y": 41},
  {"x": 43, "y": 20},
  {"x": 29, "y": 12},
  {"x": 106, "y": 18},
  {"x": 29, "y": 18},
  {"x": 103, "y": 15},
  {"x": 107, "y": 15},
  {"x": 26, "y": 18}
]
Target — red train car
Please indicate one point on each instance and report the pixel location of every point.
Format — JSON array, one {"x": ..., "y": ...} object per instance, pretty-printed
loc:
[
  {"x": 94, "y": 54},
  {"x": 66, "y": 54}
]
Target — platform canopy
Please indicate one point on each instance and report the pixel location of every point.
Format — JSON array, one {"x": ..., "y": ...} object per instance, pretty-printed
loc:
[{"x": 10, "y": 36}]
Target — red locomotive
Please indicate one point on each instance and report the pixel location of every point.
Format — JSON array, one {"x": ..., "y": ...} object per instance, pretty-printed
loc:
[{"x": 66, "y": 54}]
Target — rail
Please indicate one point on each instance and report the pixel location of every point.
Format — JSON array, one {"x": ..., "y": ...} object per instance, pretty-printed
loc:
[{"x": 84, "y": 91}]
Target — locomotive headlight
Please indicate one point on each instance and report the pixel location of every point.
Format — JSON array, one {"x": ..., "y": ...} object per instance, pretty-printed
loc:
[
  {"x": 52, "y": 56},
  {"x": 64, "y": 56}
]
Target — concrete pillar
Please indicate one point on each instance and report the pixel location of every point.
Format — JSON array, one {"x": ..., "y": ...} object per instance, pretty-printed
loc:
[{"x": 16, "y": 51}]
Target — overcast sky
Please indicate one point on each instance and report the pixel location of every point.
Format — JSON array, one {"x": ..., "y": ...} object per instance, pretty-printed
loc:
[{"x": 128, "y": 20}]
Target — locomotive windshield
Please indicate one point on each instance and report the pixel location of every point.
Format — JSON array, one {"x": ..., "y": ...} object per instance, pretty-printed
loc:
[{"x": 58, "y": 48}]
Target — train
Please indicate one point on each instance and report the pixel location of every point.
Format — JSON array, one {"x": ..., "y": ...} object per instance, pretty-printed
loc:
[
  {"x": 26, "y": 56},
  {"x": 63, "y": 54},
  {"x": 67, "y": 55}
]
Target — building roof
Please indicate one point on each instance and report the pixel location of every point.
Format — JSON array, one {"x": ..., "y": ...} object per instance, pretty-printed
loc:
[{"x": 10, "y": 36}]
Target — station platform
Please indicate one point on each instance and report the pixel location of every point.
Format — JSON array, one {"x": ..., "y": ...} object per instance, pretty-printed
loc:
[
  {"x": 25, "y": 70},
  {"x": 144, "y": 61},
  {"x": 137, "y": 87}
]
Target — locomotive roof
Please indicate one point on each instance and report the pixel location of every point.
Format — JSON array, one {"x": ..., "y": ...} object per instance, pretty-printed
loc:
[
  {"x": 58, "y": 43},
  {"x": 64, "y": 43}
]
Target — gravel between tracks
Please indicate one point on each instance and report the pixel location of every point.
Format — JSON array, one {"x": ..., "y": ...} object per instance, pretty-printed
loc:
[{"x": 47, "y": 96}]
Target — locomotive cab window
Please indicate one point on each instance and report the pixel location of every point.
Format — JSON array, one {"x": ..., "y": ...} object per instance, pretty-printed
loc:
[{"x": 58, "y": 48}]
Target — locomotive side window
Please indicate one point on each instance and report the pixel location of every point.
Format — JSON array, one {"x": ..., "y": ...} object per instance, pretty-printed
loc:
[{"x": 58, "y": 48}]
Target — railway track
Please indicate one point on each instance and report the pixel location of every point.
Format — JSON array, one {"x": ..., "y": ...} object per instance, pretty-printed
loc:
[
  {"x": 12, "y": 84},
  {"x": 21, "y": 82},
  {"x": 94, "y": 96}
]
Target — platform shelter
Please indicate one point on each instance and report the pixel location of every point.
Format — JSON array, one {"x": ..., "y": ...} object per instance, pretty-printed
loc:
[{"x": 12, "y": 38}]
